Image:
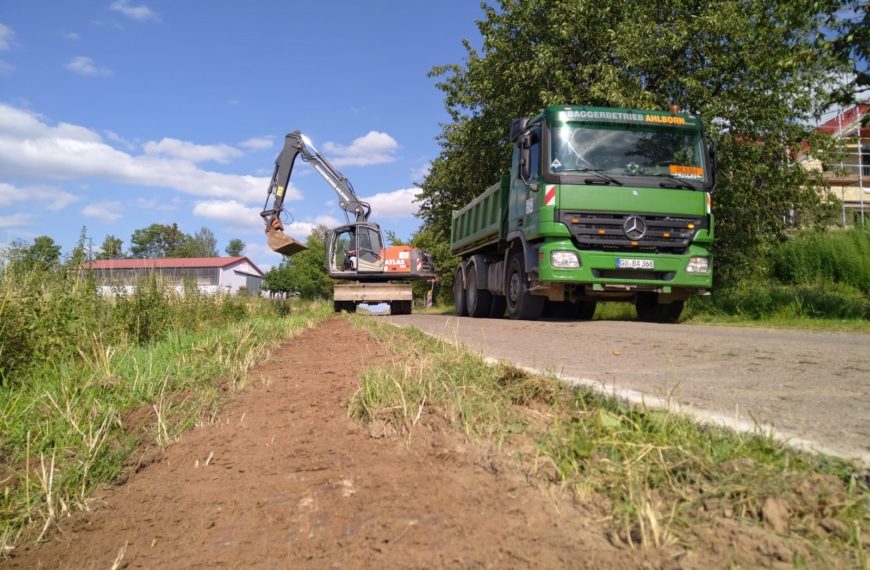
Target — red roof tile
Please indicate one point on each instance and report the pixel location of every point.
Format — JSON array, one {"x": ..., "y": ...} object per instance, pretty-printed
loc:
[{"x": 167, "y": 262}]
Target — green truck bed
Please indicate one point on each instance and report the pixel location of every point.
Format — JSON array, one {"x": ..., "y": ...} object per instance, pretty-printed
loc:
[{"x": 483, "y": 221}]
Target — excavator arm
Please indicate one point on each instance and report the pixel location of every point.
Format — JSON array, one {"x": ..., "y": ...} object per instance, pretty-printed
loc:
[{"x": 297, "y": 144}]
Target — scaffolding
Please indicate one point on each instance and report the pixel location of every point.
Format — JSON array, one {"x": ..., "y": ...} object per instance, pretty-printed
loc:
[{"x": 852, "y": 172}]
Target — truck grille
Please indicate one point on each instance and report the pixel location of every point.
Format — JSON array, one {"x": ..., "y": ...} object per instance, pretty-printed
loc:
[{"x": 608, "y": 232}]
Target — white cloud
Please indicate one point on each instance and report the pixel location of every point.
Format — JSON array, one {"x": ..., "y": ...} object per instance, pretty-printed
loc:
[
  {"x": 418, "y": 174},
  {"x": 240, "y": 216},
  {"x": 158, "y": 205},
  {"x": 193, "y": 152},
  {"x": 43, "y": 196},
  {"x": 31, "y": 148},
  {"x": 6, "y": 37},
  {"x": 6, "y": 68},
  {"x": 396, "y": 204},
  {"x": 372, "y": 148},
  {"x": 15, "y": 220},
  {"x": 300, "y": 230},
  {"x": 140, "y": 12},
  {"x": 85, "y": 66},
  {"x": 107, "y": 211},
  {"x": 258, "y": 143},
  {"x": 72, "y": 36},
  {"x": 231, "y": 212}
]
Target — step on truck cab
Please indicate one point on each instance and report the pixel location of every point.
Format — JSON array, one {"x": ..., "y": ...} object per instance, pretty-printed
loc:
[{"x": 600, "y": 204}]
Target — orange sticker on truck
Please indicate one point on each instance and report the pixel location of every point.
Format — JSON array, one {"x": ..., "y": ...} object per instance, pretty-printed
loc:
[{"x": 686, "y": 171}]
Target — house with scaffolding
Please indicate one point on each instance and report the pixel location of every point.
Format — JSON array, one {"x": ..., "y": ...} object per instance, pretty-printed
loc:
[{"x": 848, "y": 179}]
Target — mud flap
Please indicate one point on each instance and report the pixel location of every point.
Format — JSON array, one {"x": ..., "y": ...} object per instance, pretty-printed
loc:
[{"x": 281, "y": 243}]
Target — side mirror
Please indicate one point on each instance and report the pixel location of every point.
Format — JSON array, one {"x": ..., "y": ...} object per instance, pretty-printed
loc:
[
  {"x": 711, "y": 159},
  {"x": 518, "y": 127}
]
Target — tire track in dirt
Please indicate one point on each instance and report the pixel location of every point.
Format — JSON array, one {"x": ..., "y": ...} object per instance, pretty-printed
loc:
[{"x": 286, "y": 479}]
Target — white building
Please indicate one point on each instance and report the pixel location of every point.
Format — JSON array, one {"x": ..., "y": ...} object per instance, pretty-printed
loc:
[{"x": 210, "y": 274}]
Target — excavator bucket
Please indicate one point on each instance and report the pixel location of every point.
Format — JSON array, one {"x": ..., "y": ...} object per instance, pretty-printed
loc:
[{"x": 282, "y": 243}]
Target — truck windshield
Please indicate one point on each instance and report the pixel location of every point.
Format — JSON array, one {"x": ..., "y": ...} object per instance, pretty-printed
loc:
[{"x": 627, "y": 150}]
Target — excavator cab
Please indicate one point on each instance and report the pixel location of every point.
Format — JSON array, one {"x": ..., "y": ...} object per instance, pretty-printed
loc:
[{"x": 354, "y": 251}]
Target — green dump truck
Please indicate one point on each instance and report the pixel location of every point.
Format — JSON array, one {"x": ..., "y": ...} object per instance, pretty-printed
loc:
[{"x": 601, "y": 204}]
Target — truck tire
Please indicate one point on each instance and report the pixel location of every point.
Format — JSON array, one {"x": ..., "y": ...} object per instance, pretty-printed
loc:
[
  {"x": 401, "y": 307},
  {"x": 477, "y": 300},
  {"x": 459, "y": 305},
  {"x": 650, "y": 310},
  {"x": 520, "y": 303},
  {"x": 346, "y": 306},
  {"x": 586, "y": 310},
  {"x": 498, "y": 306}
]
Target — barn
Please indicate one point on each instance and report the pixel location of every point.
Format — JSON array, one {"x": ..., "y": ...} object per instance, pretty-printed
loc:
[{"x": 210, "y": 274}]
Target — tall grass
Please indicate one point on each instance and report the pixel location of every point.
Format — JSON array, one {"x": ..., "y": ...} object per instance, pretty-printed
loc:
[
  {"x": 86, "y": 379},
  {"x": 841, "y": 257}
]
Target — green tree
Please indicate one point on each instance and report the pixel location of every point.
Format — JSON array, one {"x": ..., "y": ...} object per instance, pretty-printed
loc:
[
  {"x": 756, "y": 71},
  {"x": 112, "y": 248},
  {"x": 159, "y": 240},
  {"x": 44, "y": 253},
  {"x": 851, "y": 43},
  {"x": 307, "y": 270},
  {"x": 201, "y": 244},
  {"x": 235, "y": 247}
]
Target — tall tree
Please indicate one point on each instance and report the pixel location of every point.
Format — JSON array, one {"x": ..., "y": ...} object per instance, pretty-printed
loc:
[
  {"x": 158, "y": 240},
  {"x": 45, "y": 252},
  {"x": 112, "y": 248},
  {"x": 755, "y": 71},
  {"x": 235, "y": 247},
  {"x": 201, "y": 244},
  {"x": 305, "y": 272}
]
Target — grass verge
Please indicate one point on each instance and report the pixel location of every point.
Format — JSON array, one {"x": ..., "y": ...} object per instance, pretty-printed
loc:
[
  {"x": 70, "y": 424},
  {"x": 664, "y": 476}
]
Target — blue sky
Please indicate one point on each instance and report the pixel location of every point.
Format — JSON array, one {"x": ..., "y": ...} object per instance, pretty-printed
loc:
[{"x": 115, "y": 114}]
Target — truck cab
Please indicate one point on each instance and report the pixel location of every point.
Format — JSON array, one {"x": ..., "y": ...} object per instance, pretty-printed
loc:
[{"x": 600, "y": 204}]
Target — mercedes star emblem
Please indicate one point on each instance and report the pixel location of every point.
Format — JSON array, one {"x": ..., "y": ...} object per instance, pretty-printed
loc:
[{"x": 634, "y": 228}]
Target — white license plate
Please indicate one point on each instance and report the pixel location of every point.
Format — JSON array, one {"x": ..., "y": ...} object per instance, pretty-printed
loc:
[{"x": 634, "y": 263}]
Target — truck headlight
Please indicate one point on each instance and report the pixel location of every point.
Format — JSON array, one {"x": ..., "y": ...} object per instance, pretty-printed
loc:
[
  {"x": 564, "y": 260},
  {"x": 698, "y": 265}
]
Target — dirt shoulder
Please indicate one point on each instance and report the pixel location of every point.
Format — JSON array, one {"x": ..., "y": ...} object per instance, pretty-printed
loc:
[{"x": 284, "y": 478}]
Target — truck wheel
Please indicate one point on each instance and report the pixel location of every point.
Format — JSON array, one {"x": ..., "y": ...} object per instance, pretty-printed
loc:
[
  {"x": 459, "y": 305},
  {"x": 498, "y": 306},
  {"x": 650, "y": 310},
  {"x": 477, "y": 301},
  {"x": 520, "y": 303},
  {"x": 587, "y": 310},
  {"x": 347, "y": 306}
]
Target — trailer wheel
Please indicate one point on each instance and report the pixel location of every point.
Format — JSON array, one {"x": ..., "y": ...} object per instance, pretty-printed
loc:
[
  {"x": 401, "y": 307},
  {"x": 459, "y": 305},
  {"x": 477, "y": 301},
  {"x": 347, "y": 306},
  {"x": 520, "y": 303}
]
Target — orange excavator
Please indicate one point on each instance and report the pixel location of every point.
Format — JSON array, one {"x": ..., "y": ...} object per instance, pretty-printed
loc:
[{"x": 354, "y": 251}]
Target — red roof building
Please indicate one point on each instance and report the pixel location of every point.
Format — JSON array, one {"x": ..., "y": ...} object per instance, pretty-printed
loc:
[{"x": 211, "y": 274}]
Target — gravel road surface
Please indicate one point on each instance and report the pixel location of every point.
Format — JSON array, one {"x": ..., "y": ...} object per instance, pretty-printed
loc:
[{"x": 811, "y": 388}]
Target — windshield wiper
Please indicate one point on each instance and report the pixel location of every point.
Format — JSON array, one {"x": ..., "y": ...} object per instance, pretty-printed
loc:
[
  {"x": 678, "y": 182},
  {"x": 597, "y": 172}
]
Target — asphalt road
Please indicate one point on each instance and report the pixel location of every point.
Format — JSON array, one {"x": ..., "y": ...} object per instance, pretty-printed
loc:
[{"x": 810, "y": 388}]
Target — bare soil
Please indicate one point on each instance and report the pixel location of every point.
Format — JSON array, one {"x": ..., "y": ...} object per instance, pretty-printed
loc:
[{"x": 285, "y": 479}]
